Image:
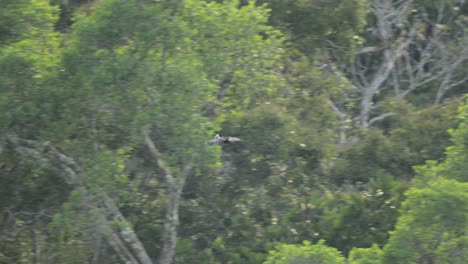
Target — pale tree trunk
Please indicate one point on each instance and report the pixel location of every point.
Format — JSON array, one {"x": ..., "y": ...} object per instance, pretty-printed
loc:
[
  {"x": 124, "y": 241},
  {"x": 175, "y": 186},
  {"x": 387, "y": 15},
  {"x": 169, "y": 237},
  {"x": 369, "y": 91}
]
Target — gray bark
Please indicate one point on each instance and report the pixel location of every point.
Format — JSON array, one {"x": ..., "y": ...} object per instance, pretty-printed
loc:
[
  {"x": 387, "y": 15},
  {"x": 175, "y": 186},
  {"x": 440, "y": 60}
]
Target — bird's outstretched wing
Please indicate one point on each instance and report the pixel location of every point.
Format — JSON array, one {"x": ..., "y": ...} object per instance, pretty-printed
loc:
[
  {"x": 233, "y": 140},
  {"x": 223, "y": 140}
]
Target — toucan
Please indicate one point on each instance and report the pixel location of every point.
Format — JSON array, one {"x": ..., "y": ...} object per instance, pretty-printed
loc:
[{"x": 223, "y": 140}]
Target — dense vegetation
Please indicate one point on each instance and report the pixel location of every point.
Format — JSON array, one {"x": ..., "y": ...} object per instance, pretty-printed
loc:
[{"x": 352, "y": 117}]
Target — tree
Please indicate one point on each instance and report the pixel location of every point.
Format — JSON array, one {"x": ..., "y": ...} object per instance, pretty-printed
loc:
[
  {"x": 310, "y": 31},
  {"x": 432, "y": 215},
  {"x": 454, "y": 166},
  {"x": 105, "y": 120},
  {"x": 305, "y": 253},
  {"x": 372, "y": 255},
  {"x": 452, "y": 251},
  {"x": 130, "y": 66},
  {"x": 27, "y": 64},
  {"x": 410, "y": 49},
  {"x": 36, "y": 154}
]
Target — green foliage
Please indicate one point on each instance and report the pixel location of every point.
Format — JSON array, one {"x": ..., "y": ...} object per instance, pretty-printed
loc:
[
  {"x": 185, "y": 70},
  {"x": 454, "y": 166},
  {"x": 70, "y": 233},
  {"x": 374, "y": 208},
  {"x": 412, "y": 138},
  {"x": 27, "y": 62},
  {"x": 435, "y": 212},
  {"x": 372, "y": 255},
  {"x": 25, "y": 19},
  {"x": 375, "y": 151},
  {"x": 414, "y": 129},
  {"x": 346, "y": 217},
  {"x": 305, "y": 253},
  {"x": 430, "y": 216},
  {"x": 234, "y": 41},
  {"x": 311, "y": 28},
  {"x": 452, "y": 251}
]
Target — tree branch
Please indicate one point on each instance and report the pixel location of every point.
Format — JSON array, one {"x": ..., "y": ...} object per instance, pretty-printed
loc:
[
  {"x": 133, "y": 250},
  {"x": 156, "y": 155},
  {"x": 175, "y": 187},
  {"x": 380, "y": 117},
  {"x": 371, "y": 49}
]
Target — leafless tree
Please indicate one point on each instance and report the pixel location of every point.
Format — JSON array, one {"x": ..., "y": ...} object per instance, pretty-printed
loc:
[{"x": 411, "y": 51}]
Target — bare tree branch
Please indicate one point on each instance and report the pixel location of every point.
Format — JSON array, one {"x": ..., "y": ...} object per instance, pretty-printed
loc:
[
  {"x": 380, "y": 117},
  {"x": 156, "y": 155},
  {"x": 405, "y": 57},
  {"x": 387, "y": 15},
  {"x": 370, "y": 49}
]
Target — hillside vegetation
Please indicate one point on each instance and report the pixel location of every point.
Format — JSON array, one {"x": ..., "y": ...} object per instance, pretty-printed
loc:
[{"x": 351, "y": 115}]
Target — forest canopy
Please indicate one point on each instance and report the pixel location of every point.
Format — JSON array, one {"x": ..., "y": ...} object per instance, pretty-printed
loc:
[{"x": 348, "y": 122}]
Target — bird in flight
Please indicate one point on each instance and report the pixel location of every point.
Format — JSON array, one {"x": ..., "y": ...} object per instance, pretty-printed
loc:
[{"x": 219, "y": 140}]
